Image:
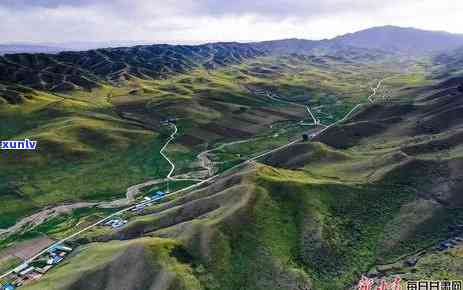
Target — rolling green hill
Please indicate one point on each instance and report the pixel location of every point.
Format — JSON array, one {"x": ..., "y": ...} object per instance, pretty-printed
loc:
[
  {"x": 71, "y": 70},
  {"x": 364, "y": 197},
  {"x": 88, "y": 136}
]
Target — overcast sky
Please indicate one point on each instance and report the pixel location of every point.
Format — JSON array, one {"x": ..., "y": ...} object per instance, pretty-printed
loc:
[{"x": 174, "y": 21}]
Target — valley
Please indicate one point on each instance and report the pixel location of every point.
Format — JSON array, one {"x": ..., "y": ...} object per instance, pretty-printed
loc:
[{"x": 282, "y": 170}]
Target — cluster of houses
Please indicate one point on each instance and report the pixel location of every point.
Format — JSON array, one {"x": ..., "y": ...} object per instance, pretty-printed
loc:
[
  {"x": 116, "y": 223},
  {"x": 149, "y": 200},
  {"x": 450, "y": 243},
  {"x": 140, "y": 207},
  {"x": 119, "y": 222},
  {"x": 157, "y": 196},
  {"x": 34, "y": 270},
  {"x": 456, "y": 240}
]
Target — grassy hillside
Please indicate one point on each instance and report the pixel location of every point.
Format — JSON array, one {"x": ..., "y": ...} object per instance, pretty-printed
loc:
[
  {"x": 94, "y": 143},
  {"x": 364, "y": 198},
  {"x": 369, "y": 192},
  {"x": 85, "y": 152},
  {"x": 283, "y": 229},
  {"x": 152, "y": 263},
  {"x": 85, "y": 70}
]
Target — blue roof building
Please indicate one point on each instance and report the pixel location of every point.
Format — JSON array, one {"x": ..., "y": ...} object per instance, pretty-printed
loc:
[
  {"x": 8, "y": 287},
  {"x": 158, "y": 194},
  {"x": 57, "y": 259}
]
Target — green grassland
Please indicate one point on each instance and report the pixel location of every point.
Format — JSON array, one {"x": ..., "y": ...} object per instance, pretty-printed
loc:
[
  {"x": 277, "y": 237},
  {"x": 350, "y": 219},
  {"x": 235, "y": 153},
  {"x": 93, "y": 144},
  {"x": 317, "y": 215},
  {"x": 440, "y": 267},
  {"x": 304, "y": 227},
  {"x": 299, "y": 230},
  {"x": 84, "y": 153},
  {"x": 87, "y": 152},
  {"x": 58, "y": 227},
  {"x": 8, "y": 263}
]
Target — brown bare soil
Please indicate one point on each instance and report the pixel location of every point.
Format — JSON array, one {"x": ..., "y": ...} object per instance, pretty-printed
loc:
[{"x": 28, "y": 249}]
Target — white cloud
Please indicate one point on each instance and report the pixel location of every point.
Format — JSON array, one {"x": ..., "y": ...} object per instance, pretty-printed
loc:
[{"x": 214, "y": 20}]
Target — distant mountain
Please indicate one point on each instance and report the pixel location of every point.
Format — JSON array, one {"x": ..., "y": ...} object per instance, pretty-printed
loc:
[
  {"x": 28, "y": 48},
  {"x": 285, "y": 46},
  {"x": 398, "y": 39},
  {"x": 65, "y": 71},
  {"x": 12, "y": 48},
  {"x": 315, "y": 47},
  {"x": 389, "y": 39}
]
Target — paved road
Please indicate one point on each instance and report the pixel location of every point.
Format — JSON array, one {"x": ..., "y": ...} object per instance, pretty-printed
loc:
[
  {"x": 370, "y": 100},
  {"x": 206, "y": 163},
  {"x": 307, "y": 107}
]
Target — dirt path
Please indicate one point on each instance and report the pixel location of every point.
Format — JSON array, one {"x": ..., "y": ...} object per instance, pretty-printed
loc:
[
  {"x": 172, "y": 164},
  {"x": 41, "y": 216},
  {"x": 131, "y": 194},
  {"x": 370, "y": 100},
  {"x": 207, "y": 163},
  {"x": 26, "y": 249}
]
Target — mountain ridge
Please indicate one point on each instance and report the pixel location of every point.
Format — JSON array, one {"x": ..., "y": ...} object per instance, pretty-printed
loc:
[
  {"x": 70, "y": 70},
  {"x": 402, "y": 39},
  {"x": 378, "y": 180},
  {"x": 298, "y": 45}
]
